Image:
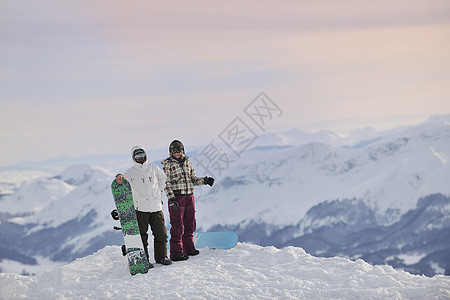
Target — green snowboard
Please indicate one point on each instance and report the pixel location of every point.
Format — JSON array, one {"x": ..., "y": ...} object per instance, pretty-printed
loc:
[{"x": 123, "y": 198}]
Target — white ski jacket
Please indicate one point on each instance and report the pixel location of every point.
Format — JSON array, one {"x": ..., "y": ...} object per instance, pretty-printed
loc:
[{"x": 147, "y": 182}]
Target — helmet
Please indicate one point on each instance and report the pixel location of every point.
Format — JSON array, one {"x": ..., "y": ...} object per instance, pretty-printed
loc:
[{"x": 175, "y": 146}]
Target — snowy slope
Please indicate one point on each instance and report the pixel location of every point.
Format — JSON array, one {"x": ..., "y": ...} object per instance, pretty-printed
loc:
[
  {"x": 292, "y": 188},
  {"x": 73, "y": 193},
  {"x": 389, "y": 175},
  {"x": 297, "y": 137},
  {"x": 61, "y": 218},
  {"x": 245, "y": 272},
  {"x": 34, "y": 195}
]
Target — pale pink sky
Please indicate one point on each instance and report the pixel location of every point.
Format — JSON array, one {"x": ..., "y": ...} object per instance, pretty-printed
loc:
[{"x": 76, "y": 75}]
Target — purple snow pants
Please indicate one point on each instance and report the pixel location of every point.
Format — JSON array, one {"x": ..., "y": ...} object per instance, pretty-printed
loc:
[{"x": 183, "y": 227}]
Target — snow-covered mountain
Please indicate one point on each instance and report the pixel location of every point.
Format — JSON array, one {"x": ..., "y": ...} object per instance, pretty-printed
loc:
[
  {"x": 245, "y": 272},
  {"x": 60, "y": 218},
  {"x": 383, "y": 197},
  {"x": 389, "y": 175},
  {"x": 334, "y": 200}
]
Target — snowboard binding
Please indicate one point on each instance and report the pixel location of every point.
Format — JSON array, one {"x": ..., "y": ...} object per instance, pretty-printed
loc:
[{"x": 115, "y": 216}]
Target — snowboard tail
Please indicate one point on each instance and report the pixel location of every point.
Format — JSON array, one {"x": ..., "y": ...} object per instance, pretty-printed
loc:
[{"x": 214, "y": 240}]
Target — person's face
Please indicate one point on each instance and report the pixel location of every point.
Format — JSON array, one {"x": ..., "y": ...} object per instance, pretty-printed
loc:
[
  {"x": 140, "y": 158},
  {"x": 177, "y": 153}
]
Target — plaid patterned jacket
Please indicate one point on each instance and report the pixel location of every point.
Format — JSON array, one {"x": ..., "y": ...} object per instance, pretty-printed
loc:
[{"x": 180, "y": 177}]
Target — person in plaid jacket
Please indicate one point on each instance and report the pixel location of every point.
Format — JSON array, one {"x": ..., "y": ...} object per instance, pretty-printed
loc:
[{"x": 179, "y": 189}]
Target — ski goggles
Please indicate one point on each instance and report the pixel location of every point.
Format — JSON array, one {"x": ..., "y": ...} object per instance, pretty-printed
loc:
[
  {"x": 176, "y": 150},
  {"x": 139, "y": 155}
]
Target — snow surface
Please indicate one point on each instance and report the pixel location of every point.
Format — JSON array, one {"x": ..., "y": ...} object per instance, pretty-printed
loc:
[
  {"x": 244, "y": 272},
  {"x": 43, "y": 264}
]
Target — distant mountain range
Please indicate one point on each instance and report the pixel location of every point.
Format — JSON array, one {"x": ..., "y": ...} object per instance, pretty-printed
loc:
[{"x": 383, "y": 197}]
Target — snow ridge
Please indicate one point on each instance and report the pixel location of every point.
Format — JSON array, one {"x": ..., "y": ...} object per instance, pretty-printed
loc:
[{"x": 247, "y": 272}]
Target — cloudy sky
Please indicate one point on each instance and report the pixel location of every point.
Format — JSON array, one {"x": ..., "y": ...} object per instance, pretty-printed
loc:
[{"x": 99, "y": 76}]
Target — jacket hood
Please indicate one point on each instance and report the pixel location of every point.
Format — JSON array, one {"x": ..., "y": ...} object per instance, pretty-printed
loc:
[
  {"x": 132, "y": 152},
  {"x": 135, "y": 148}
]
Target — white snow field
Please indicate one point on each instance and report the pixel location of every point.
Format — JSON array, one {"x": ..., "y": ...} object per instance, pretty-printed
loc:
[{"x": 244, "y": 272}]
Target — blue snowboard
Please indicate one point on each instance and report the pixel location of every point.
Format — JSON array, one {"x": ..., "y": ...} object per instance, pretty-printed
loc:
[{"x": 214, "y": 240}]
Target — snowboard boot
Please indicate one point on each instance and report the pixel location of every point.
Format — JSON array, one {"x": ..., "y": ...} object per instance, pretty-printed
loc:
[
  {"x": 181, "y": 258},
  {"x": 165, "y": 261},
  {"x": 194, "y": 253}
]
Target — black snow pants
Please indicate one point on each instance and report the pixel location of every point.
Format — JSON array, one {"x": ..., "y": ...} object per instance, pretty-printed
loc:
[{"x": 158, "y": 227}]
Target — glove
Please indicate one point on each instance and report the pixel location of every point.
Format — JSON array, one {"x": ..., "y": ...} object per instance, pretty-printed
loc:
[
  {"x": 115, "y": 214},
  {"x": 209, "y": 181},
  {"x": 173, "y": 204}
]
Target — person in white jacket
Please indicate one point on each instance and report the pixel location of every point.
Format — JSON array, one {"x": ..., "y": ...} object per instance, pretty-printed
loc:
[{"x": 147, "y": 182}]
